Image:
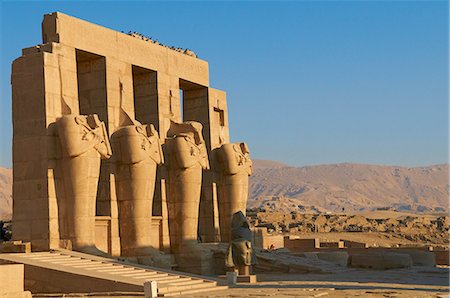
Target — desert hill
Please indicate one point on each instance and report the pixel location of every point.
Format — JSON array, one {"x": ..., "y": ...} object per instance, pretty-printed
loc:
[
  {"x": 5, "y": 193},
  {"x": 354, "y": 187}
]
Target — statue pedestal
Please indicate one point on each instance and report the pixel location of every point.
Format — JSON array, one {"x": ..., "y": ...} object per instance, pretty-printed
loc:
[
  {"x": 249, "y": 279},
  {"x": 244, "y": 275}
]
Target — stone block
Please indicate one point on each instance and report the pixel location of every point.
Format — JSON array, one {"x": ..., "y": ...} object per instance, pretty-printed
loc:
[
  {"x": 15, "y": 246},
  {"x": 442, "y": 257},
  {"x": 24, "y": 294},
  {"x": 249, "y": 279},
  {"x": 150, "y": 289},
  {"x": 338, "y": 244},
  {"x": 12, "y": 278},
  {"x": 340, "y": 258},
  {"x": 381, "y": 261},
  {"x": 294, "y": 243},
  {"x": 354, "y": 244},
  {"x": 421, "y": 258}
]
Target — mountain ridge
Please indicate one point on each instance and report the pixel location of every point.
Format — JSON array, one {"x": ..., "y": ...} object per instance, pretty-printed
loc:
[
  {"x": 354, "y": 186},
  {"x": 327, "y": 187}
]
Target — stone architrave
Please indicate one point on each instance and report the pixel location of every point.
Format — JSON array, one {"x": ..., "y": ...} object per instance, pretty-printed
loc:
[
  {"x": 137, "y": 152},
  {"x": 235, "y": 166},
  {"x": 187, "y": 158},
  {"x": 84, "y": 142}
]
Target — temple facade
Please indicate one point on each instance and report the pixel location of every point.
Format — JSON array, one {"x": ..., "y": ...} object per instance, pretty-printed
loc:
[{"x": 118, "y": 144}]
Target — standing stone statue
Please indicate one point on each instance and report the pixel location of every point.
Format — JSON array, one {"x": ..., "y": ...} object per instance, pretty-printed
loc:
[
  {"x": 137, "y": 151},
  {"x": 234, "y": 164},
  {"x": 84, "y": 142},
  {"x": 187, "y": 158},
  {"x": 240, "y": 252}
]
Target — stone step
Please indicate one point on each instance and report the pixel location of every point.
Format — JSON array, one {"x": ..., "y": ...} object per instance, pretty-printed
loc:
[
  {"x": 180, "y": 285},
  {"x": 181, "y": 281},
  {"x": 71, "y": 262},
  {"x": 48, "y": 258},
  {"x": 122, "y": 272},
  {"x": 182, "y": 288},
  {"x": 144, "y": 272},
  {"x": 92, "y": 266},
  {"x": 193, "y": 290},
  {"x": 160, "y": 279},
  {"x": 75, "y": 266},
  {"x": 150, "y": 277},
  {"x": 113, "y": 269},
  {"x": 37, "y": 254}
]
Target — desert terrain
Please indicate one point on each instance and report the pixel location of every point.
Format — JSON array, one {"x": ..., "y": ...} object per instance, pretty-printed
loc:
[
  {"x": 342, "y": 188},
  {"x": 350, "y": 187}
]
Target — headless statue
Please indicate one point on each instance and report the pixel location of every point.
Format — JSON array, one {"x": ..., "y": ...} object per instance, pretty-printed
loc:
[
  {"x": 235, "y": 166},
  {"x": 137, "y": 151},
  {"x": 84, "y": 142},
  {"x": 187, "y": 157},
  {"x": 240, "y": 252}
]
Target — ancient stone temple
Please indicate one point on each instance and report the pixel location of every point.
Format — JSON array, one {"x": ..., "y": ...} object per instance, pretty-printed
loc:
[{"x": 120, "y": 146}]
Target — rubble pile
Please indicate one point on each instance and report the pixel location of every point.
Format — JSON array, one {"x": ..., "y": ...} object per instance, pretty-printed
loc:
[{"x": 418, "y": 228}]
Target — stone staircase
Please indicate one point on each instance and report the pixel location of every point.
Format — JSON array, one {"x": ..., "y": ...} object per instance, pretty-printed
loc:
[{"x": 99, "y": 269}]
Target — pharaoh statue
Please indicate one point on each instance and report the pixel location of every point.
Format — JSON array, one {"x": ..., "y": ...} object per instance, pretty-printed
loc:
[
  {"x": 137, "y": 153},
  {"x": 84, "y": 141},
  {"x": 187, "y": 158},
  {"x": 234, "y": 164},
  {"x": 240, "y": 252}
]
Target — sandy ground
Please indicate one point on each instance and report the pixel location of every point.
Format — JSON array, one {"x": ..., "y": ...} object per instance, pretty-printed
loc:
[{"x": 414, "y": 282}]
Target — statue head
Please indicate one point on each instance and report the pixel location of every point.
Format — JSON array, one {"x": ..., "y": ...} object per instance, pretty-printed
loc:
[
  {"x": 240, "y": 228},
  {"x": 190, "y": 129},
  {"x": 239, "y": 220},
  {"x": 92, "y": 121}
]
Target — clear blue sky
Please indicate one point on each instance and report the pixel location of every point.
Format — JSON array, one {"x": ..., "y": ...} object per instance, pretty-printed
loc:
[{"x": 307, "y": 82}]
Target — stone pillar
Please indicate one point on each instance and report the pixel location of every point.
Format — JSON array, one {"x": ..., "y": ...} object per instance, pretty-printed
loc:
[
  {"x": 43, "y": 88},
  {"x": 165, "y": 235}
]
